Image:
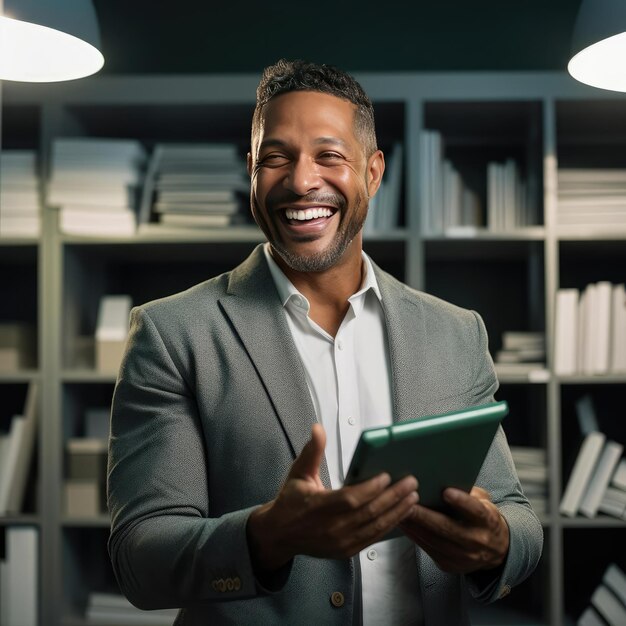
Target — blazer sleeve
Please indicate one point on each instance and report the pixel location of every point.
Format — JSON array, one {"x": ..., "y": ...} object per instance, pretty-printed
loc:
[
  {"x": 499, "y": 477},
  {"x": 165, "y": 549}
]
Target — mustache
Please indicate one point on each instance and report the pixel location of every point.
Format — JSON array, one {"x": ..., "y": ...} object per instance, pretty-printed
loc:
[{"x": 284, "y": 196}]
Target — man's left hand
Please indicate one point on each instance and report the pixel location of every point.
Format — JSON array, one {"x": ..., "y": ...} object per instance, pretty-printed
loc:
[{"x": 477, "y": 538}]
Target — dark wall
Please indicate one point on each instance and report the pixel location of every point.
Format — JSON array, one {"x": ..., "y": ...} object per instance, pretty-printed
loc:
[{"x": 181, "y": 36}]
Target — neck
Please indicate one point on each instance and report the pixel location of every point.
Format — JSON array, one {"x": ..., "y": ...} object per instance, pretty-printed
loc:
[{"x": 328, "y": 291}]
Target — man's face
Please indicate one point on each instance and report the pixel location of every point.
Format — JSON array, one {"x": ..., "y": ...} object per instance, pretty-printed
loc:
[{"x": 311, "y": 179}]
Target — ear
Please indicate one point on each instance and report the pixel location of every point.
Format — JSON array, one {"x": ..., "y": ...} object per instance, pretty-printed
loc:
[
  {"x": 375, "y": 171},
  {"x": 249, "y": 164}
]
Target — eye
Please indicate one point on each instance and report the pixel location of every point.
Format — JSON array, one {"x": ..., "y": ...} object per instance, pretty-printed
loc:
[
  {"x": 330, "y": 156},
  {"x": 275, "y": 159}
]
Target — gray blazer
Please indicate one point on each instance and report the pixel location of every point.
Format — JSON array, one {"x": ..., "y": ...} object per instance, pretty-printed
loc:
[{"x": 210, "y": 409}]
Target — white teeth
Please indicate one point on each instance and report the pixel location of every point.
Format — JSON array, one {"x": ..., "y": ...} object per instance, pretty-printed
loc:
[{"x": 307, "y": 214}]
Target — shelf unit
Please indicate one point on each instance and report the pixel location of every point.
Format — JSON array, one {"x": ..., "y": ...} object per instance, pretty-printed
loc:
[{"x": 511, "y": 278}]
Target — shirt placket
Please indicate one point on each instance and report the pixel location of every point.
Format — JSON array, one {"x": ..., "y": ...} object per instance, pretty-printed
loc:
[{"x": 348, "y": 413}]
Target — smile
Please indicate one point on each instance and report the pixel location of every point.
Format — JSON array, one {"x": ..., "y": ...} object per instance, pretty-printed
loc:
[{"x": 307, "y": 214}]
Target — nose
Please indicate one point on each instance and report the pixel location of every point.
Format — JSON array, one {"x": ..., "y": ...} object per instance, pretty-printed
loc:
[{"x": 303, "y": 176}]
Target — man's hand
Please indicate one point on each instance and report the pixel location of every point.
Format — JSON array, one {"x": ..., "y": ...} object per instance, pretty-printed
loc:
[
  {"x": 307, "y": 518},
  {"x": 477, "y": 540}
]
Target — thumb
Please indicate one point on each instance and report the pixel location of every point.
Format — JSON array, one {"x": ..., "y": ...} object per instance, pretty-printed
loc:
[{"x": 307, "y": 465}]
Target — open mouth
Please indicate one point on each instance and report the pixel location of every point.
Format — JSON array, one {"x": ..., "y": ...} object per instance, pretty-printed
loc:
[{"x": 299, "y": 216}]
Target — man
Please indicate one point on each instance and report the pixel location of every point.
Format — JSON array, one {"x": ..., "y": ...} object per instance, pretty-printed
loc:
[{"x": 240, "y": 401}]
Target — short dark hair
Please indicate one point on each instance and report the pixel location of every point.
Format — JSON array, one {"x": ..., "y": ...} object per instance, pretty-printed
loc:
[{"x": 286, "y": 76}]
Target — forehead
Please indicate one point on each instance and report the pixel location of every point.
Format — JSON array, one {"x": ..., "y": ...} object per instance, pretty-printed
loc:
[{"x": 308, "y": 114}]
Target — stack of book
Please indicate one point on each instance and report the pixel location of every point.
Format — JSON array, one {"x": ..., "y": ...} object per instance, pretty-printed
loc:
[
  {"x": 384, "y": 208},
  {"x": 507, "y": 198},
  {"x": 194, "y": 186},
  {"x": 608, "y": 602},
  {"x": 85, "y": 477},
  {"x": 597, "y": 482},
  {"x": 95, "y": 183},
  {"x": 20, "y": 214},
  {"x": 522, "y": 353},
  {"x": 110, "y": 608},
  {"x": 448, "y": 206},
  {"x": 111, "y": 331},
  {"x": 590, "y": 335},
  {"x": 532, "y": 471},
  {"x": 16, "y": 455},
  {"x": 17, "y": 346},
  {"x": 19, "y": 577},
  {"x": 591, "y": 197}
]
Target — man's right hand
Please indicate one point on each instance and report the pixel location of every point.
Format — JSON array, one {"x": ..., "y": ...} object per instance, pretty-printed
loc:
[{"x": 306, "y": 518}]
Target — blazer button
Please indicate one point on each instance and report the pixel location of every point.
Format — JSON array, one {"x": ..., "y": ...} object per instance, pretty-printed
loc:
[
  {"x": 337, "y": 599},
  {"x": 230, "y": 585},
  {"x": 215, "y": 585},
  {"x": 237, "y": 583},
  {"x": 221, "y": 585}
]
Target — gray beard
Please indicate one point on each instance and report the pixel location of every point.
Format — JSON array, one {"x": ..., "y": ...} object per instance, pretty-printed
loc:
[{"x": 323, "y": 260}]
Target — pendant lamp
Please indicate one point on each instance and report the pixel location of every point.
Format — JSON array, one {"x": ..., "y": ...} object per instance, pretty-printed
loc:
[
  {"x": 48, "y": 40},
  {"x": 599, "y": 45}
]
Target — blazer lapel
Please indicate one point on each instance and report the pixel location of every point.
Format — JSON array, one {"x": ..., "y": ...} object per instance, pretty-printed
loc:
[
  {"x": 254, "y": 308},
  {"x": 406, "y": 333}
]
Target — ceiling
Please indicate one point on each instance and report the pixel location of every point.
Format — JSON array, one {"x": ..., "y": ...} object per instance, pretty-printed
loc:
[{"x": 182, "y": 37}]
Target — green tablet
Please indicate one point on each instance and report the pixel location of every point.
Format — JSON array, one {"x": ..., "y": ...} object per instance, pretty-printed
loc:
[{"x": 440, "y": 450}]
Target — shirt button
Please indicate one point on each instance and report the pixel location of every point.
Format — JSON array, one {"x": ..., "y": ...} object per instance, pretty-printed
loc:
[
  {"x": 372, "y": 554},
  {"x": 337, "y": 599},
  {"x": 351, "y": 421},
  {"x": 339, "y": 345}
]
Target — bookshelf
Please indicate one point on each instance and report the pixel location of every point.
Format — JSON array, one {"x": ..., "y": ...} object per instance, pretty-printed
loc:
[{"x": 539, "y": 119}]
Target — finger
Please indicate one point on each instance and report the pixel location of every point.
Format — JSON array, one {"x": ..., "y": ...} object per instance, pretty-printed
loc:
[
  {"x": 438, "y": 527},
  {"x": 377, "y": 528},
  {"x": 389, "y": 498},
  {"x": 480, "y": 493},
  {"x": 469, "y": 507},
  {"x": 307, "y": 464}
]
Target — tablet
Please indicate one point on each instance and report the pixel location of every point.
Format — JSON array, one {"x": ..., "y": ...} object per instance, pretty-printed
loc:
[{"x": 440, "y": 450}]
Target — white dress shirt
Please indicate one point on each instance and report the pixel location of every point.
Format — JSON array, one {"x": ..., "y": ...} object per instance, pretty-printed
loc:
[{"x": 349, "y": 378}]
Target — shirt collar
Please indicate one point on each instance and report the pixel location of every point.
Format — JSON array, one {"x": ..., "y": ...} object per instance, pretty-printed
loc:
[{"x": 287, "y": 291}]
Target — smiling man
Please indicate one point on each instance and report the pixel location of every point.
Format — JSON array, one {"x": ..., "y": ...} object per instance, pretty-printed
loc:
[{"x": 240, "y": 402}]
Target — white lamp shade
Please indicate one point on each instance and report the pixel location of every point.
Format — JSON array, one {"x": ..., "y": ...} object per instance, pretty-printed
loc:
[
  {"x": 49, "y": 40},
  {"x": 599, "y": 45}
]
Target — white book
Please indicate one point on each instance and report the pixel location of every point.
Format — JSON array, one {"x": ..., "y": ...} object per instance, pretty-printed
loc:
[
  {"x": 19, "y": 577},
  {"x": 613, "y": 494},
  {"x": 394, "y": 188},
  {"x": 113, "y": 316},
  {"x": 520, "y": 339},
  {"x": 609, "y": 607},
  {"x": 492, "y": 184},
  {"x": 566, "y": 332},
  {"x": 614, "y": 509},
  {"x": 600, "y": 479},
  {"x": 581, "y": 473},
  {"x": 424, "y": 182},
  {"x": 528, "y": 454},
  {"x": 618, "y": 330},
  {"x": 97, "y": 222},
  {"x": 536, "y": 474},
  {"x": 11, "y": 460},
  {"x": 619, "y": 477},
  {"x": 586, "y": 414},
  {"x": 615, "y": 580},
  {"x": 588, "y": 305},
  {"x": 590, "y": 618},
  {"x": 603, "y": 294},
  {"x": 24, "y": 454},
  {"x": 436, "y": 182}
]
